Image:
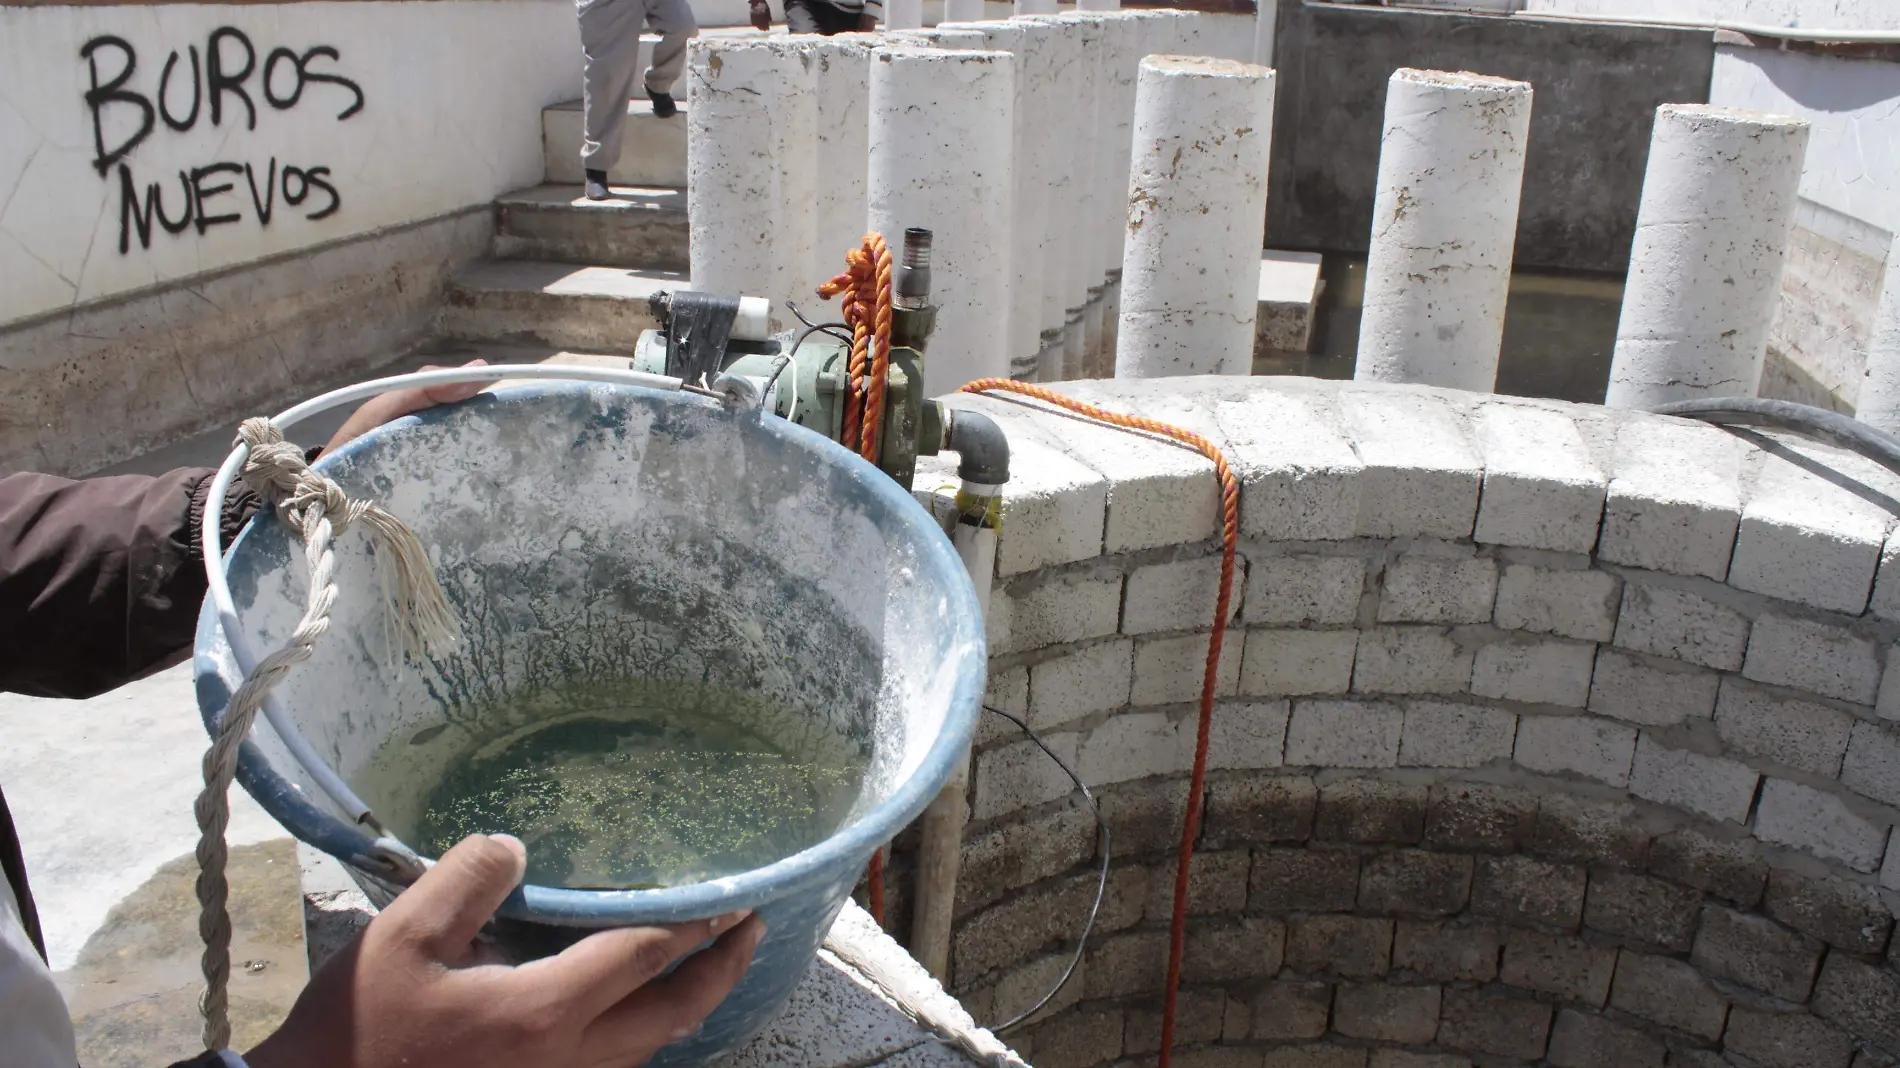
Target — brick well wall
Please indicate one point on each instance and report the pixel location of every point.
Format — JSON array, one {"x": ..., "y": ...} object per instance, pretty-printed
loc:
[{"x": 1548, "y": 735}]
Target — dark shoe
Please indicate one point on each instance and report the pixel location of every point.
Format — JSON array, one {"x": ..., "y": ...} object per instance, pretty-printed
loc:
[
  {"x": 597, "y": 185},
  {"x": 663, "y": 105}
]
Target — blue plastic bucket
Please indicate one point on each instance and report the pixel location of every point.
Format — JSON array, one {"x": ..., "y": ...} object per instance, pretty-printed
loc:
[{"x": 586, "y": 529}]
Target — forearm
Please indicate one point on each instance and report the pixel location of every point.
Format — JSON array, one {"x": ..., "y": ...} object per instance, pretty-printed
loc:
[{"x": 100, "y": 579}]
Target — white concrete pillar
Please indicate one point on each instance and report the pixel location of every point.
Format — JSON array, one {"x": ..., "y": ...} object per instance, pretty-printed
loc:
[
  {"x": 1878, "y": 404},
  {"x": 1197, "y": 199},
  {"x": 1075, "y": 196},
  {"x": 962, "y": 11},
  {"x": 903, "y": 14},
  {"x": 1444, "y": 225},
  {"x": 1265, "y": 14},
  {"x": 941, "y": 130},
  {"x": 1055, "y": 121},
  {"x": 1034, "y": 7},
  {"x": 841, "y": 80},
  {"x": 1705, "y": 267},
  {"x": 751, "y": 168},
  {"x": 1098, "y": 5}
]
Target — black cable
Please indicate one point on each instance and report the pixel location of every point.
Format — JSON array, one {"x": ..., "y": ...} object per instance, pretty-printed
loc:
[
  {"x": 820, "y": 326},
  {"x": 1831, "y": 427},
  {"x": 1101, "y": 883},
  {"x": 786, "y": 360}
]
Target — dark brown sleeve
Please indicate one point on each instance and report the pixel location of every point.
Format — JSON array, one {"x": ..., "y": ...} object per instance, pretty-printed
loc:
[{"x": 100, "y": 579}]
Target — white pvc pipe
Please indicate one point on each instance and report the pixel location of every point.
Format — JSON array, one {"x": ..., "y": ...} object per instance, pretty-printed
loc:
[
  {"x": 751, "y": 168},
  {"x": 1879, "y": 402},
  {"x": 1705, "y": 266},
  {"x": 1444, "y": 224},
  {"x": 841, "y": 80},
  {"x": 1197, "y": 202},
  {"x": 941, "y": 130}
]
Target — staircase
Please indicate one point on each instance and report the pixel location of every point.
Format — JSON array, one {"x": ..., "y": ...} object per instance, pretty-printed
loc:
[{"x": 571, "y": 274}]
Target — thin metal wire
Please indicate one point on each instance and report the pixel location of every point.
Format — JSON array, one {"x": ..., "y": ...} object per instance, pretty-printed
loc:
[
  {"x": 786, "y": 360},
  {"x": 830, "y": 328}
]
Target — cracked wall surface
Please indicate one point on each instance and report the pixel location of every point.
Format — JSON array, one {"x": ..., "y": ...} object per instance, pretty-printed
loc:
[{"x": 451, "y": 97}]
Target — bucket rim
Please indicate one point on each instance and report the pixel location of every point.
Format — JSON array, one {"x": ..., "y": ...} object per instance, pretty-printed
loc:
[{"x": 317, "y": 825}]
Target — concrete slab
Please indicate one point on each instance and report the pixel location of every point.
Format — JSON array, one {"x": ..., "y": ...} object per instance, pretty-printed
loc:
[
  {"x": 1289, "y": 303},
  {"x": 652, "y": 154},
  {"x": 637, "y": 228},
  {"x": 560, "y": 305}
]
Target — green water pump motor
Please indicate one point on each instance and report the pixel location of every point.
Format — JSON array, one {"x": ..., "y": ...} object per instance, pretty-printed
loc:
[{"x": 721, "y": 342}]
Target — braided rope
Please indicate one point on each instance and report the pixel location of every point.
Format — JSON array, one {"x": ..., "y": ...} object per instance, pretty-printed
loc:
[
  {"x": 318, "y": 510},
  {"x": 1230, "y": 536}
]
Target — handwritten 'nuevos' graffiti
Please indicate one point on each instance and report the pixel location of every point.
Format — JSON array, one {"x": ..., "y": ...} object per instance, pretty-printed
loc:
[{"x": 219, "y": 89}]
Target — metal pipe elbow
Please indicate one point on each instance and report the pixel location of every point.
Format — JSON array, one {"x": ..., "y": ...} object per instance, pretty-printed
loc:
[{"x": 982, "y": 448}]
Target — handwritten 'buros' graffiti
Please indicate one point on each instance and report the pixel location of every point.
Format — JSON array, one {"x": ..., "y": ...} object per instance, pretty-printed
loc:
[{"x": 219, "y": 89}]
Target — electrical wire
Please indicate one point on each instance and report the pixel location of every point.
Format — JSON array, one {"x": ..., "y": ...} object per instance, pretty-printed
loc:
[
  {"x": 1832, "y": 427},
  {"x": 1101, "y": 882},
  {"x": 830, "y": 328}
]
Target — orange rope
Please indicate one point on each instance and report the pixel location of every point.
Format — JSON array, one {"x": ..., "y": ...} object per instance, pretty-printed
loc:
[
  {"x": 866, "y": 286},
  {"x": 1230, "y": 534}
]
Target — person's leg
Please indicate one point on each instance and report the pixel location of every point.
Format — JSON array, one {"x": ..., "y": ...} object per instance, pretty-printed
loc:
[
  {"x": 610, "y": 47},
  {"x": 673, "y": 21},
  {"x": 800, "y": 18}
]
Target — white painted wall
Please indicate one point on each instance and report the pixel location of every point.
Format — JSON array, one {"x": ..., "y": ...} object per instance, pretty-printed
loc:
[
  {"x": 1815, "y": 14},
  {"x": 451, "y": 92}
]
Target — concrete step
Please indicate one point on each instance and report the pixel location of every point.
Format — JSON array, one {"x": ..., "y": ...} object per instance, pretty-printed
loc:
[
  {"x": 559, "y": 305},
  {"x": 653, "y": 153},
  {"x": 641, "y": 229},
  {"x": 1289, "y": 299}
]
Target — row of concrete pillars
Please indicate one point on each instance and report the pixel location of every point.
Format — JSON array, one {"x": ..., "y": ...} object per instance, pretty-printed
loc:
[{"x": 1097, "y": 183}]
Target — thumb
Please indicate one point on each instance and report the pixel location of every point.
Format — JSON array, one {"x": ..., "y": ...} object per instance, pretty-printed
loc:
[{"x": 447, "y": 907}]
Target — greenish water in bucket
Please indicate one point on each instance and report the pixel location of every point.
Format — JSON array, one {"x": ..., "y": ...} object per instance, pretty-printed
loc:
[{"x": 629, "y": 784}]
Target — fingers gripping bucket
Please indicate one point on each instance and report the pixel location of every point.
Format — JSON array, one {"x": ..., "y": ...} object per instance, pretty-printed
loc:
[{"x": 589, "y": 533}]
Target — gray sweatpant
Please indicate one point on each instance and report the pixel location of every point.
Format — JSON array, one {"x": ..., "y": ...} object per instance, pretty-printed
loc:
[{"x": 610, "y": 49}]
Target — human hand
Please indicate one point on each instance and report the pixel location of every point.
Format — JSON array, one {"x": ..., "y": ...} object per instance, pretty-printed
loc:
[
  {"x": 867, "y": 22},
  {"x": 761, "y": 15},
  {"x": 393, "y": 405},
  {"x": 417, "y": 991}
]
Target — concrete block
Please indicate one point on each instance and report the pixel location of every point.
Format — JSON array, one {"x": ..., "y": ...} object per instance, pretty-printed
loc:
[
  {"x": 1755, "y": 952},
  {"x": 1487, "y": 1021},
  {"x": 1786, "y": 1039},
  {"x": 1170, "y": 670},
  {"x": 1019, "y": 928},
  {"x": 1301, "y": 880},
  {"x": 1217, "y": 885},
  {"x": 1298, "y": 662},
  {"x": 1091, "y": 679},
  {"x": 1289, "y": 296},
  {"x": 1136, "y": 745},
  {"x": 1872, "y": 766},
  {"x": 1578, "y": 745},
  {"x": 1054, "y": 508},
  {"x": 1314, "y": 1056},
  {"x": 1415, "y": 882},
  {"x": 1805, "y": 539},
  {"x": 1683, "y": 626},
  {"x": 1125, "y": 964},
  {"x": 1322, "y": 590},
  {"x": 1668, "y": 992},
  {"x": 1637, "y": 908},
  {"x": 1356, "y": 947},
  {"x": 1440, "y": 735},
  {"x": 1837, "y": 911},
  {"x": 1008, "y": 691},
  {"x": 1447, "y": 952},
  {"x": 1059, "y": 610},
  {"x": 1386, "y": 1013},
  {"x": 1569, "y": 604},
  {"x": 1145, "y": 814},
  {"x": 1570, "y": 968},
  {"x": 997, "y": 862},
  {"x": 1525, "y": 891},
  {"x": 1715, "y": 787},
  {"x": 1586, "y": 1040},
  {"x": 1260, "y": 809},
  {"x": 1370, "y": 812},
  {"x": 1199, "y": 1017},
  {"x": 1159, "y": 494},
  {"x": 1728, "y": 870},
  {"x": 1586, "y": 831},
  {"x": 1180, "y": 595},
  {"x": 1887, "y": 703},
  {"x": 1541, "y": 489},
  {"x": 1223, "y": 950},
  {"x": 1652, "y": 692},
  {"x": 1243, "y": 735},
  {"x": 1088, "y": 1036},
  {"x": 1478, "y": 818},
  {"x": 1398, "y": 1058},
  {"x": 1344, "y": 734},
  {"x": 1676, "y": 498},
  {"x": 1427, "y": 588},
  {"x": 1885, "y": 601},
  {"x": 1410, "y": 660},
  {"x": 1301, "y": 480},
  {"x": 1020, "y": 775},
  {"x": 1547, "y": 672},
  {"x": 1805, "y": 818},
  {"x": 1422, "y": 471},
  {"x": 1860, "y": 997},
  {"x": 1799, "y": 734},
  {"x": 1289, "y": 1010},
  {"x": 1818, "y": 657}
]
